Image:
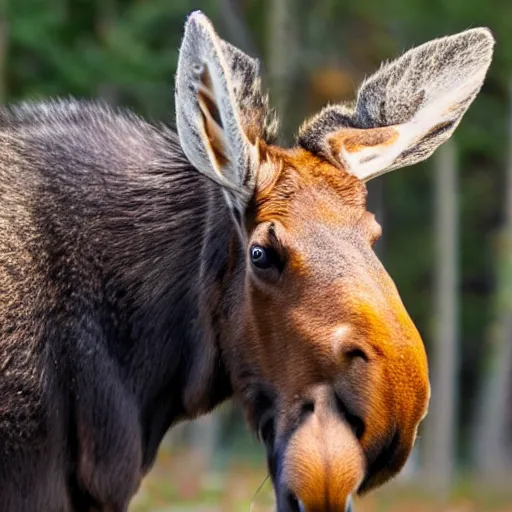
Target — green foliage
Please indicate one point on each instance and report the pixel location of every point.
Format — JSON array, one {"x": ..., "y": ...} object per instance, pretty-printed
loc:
[{"x": 75, "y": 47}]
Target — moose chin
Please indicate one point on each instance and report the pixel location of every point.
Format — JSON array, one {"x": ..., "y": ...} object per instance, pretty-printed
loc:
[{"x": 147, "y": 276}]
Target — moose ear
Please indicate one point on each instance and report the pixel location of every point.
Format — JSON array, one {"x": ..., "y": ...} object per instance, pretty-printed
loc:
[
  {"x": 406, "y": 110},
  {"x": 216, "y": 87}
]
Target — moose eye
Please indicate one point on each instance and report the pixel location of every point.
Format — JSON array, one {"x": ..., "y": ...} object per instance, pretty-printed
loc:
[{"x": 261, "y": 257}]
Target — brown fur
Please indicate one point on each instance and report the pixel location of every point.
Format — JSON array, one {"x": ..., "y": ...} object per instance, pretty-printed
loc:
[
  {"x": 295, "y": 171},
  {"x": 353, "y": 139},
  {"x": 325, "y": 463},
  {"x": 320, "y": 223}
]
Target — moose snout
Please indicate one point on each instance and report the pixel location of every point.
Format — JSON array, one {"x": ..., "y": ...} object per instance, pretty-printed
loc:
[{"x": 322, "y": 464}]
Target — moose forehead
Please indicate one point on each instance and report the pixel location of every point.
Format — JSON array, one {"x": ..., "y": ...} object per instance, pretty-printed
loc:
[
  {"x": 321, "y": 208},
  {"x": 299, "y": 189}
]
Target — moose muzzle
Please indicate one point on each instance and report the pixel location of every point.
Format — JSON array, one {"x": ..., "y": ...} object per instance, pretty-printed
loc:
[{"x": 321, "y": 464}]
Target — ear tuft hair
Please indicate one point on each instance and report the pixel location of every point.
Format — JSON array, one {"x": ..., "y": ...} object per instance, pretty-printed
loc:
[
  {"x": 258, "y": 119},
  {"x": 396, "y": 92}
]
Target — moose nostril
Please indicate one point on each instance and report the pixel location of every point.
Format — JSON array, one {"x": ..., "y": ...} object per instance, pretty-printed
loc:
[
  {"x": 356, "y": 423},
  {"x": 306, "y": 409},
  {"x": 357, "y": 353},
  {"x": 294, "y": 504}
]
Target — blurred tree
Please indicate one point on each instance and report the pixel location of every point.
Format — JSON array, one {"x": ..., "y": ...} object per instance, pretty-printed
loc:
[
  {"x": 491, "y": 436},
  {"x": 204, "y": 435},
  {"x": 282, "y": 55},
  {"x": 234, "y": 20},
  {"x": 441, "y": 427},
  {"x": 106, "y": 13}
]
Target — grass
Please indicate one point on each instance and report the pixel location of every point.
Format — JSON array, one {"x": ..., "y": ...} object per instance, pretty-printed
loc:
[{"x": 180, "y": 482}]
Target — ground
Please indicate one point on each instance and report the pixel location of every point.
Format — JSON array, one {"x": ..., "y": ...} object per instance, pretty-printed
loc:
[{"x": 180, "y": 483}]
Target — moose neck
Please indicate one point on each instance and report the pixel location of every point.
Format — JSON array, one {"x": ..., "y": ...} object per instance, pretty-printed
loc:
[{"x": 171, "y": 273}]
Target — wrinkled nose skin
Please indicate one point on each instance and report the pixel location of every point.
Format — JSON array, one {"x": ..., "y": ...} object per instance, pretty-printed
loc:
[{"x": 320, "y": 465}]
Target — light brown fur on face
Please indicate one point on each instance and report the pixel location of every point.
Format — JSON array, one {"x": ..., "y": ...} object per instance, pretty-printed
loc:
[{"x": 333, "y": 319}]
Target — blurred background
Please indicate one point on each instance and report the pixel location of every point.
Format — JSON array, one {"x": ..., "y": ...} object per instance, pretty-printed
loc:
[{"x": 447, "y": 223}]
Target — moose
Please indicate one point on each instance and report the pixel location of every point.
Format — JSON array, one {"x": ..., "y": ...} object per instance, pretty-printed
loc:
[{"x": 147, "y": 276}]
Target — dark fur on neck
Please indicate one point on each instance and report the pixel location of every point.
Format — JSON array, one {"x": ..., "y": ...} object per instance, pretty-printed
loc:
[{"x": 113, "y": 251}]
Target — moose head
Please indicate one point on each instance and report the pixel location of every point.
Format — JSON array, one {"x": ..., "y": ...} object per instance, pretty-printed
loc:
[{"x": 330, "y": 369}]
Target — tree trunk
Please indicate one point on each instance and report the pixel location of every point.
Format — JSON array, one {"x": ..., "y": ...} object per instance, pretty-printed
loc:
[
  {"x": 282, "y": 61},
  {"x": 204, "y": 438},
  {"x": 239, "y": 34},
  {"x": 105, "y": 18},
  {"x": 440, "y": 431},
  {"x": 492, "y": 458}
]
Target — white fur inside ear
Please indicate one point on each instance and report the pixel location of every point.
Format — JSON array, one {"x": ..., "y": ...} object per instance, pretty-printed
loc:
[{"x": 367, "y": 162}]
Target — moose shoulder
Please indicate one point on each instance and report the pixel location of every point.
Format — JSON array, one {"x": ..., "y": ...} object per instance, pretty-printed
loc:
[{"x": 147, "y": 276}]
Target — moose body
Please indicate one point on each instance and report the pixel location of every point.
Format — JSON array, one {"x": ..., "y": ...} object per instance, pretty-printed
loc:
[{"x": 146, "y": 277}]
